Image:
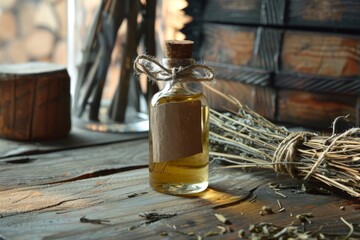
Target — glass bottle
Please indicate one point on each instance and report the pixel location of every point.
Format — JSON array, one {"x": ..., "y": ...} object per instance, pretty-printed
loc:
[{"x": 179, "y": 130}]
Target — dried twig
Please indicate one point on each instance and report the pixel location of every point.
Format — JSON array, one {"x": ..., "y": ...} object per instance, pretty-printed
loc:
[
  {"x": 120, "y": 101},
  {"x": 222, "y": 219},
  {"x": 94, "y": 221},
  {"x": 350, "y": 226}
]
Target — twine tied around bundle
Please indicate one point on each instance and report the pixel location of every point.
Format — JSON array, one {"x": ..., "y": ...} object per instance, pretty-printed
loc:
[
  {"x": 158, "y": 72},
  {"x": 284, "y": 158}
]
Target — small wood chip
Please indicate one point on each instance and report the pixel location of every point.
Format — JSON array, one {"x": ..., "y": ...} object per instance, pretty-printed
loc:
[
  {"x": 223, "y": 230},
  {"x": 241, "y": 233},
  {"x": 154, "y": 217},
  {"x": 211, "y": 233},
  {"x": 94, "y": 221},
  {"x": 222, "y": 219},
  {"x": 132, "y": 227},
  {"x": 136, "y": 194},
  {"x": 267, "y": 209},
  {"x": 305, "y": 217}
]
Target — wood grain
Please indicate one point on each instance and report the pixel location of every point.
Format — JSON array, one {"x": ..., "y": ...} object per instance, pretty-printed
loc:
[
  {"x": 35, "y": 101},
  {"x": 324, "y": 13},
  {"x": 228, "y": 44},
  {"x": 321, "y": 54},
  {"x": 68, "y": 165},
  {"x": 245, "y": 11},
  {"x": 244, "y": 46},
  {"x": 315, "y": 109},
  {"x": 53, "y": 211},
  {"x": 260, "y": 99},
  {"x": 242, "y": 74},
  {"x": 320, "y": 84},
  {"x": 77, "y": 138}
]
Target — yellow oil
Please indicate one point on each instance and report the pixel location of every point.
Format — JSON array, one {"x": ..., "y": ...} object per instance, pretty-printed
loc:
[{"x": 185, "y": 175}]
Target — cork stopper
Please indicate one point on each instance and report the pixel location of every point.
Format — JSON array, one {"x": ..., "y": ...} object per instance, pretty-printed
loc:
[{"x": 178, "y": 48}]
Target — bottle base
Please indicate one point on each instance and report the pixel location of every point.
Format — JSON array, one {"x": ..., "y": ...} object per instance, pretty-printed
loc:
[{"x": 180, "y": 189}]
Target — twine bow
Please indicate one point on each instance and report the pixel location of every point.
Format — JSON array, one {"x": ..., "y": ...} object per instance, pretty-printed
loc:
[{"x": 158, "y": 72}]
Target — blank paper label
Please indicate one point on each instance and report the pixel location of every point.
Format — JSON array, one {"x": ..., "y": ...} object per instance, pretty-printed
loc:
[{"x": 176, "y": 130}]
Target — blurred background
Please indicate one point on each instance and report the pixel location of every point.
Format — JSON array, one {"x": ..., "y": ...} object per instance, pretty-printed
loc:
[{"x": 292, "y": 61}]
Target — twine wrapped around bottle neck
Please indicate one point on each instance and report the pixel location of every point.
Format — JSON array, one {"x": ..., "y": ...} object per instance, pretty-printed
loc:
[{"x": 158, "y": 72}]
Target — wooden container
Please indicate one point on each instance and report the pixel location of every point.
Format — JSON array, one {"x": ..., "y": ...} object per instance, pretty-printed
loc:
[{"x": 34, "y": 101}]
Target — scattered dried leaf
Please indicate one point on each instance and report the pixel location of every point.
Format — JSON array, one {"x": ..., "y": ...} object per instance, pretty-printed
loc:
[
  {"x": 94, "y": 221},
  {"x": 267, "y": 209},
  {"x": 222, "y": 219},
  {"x": 154, "y": 217},
  {"x": 136, "y": 194}
]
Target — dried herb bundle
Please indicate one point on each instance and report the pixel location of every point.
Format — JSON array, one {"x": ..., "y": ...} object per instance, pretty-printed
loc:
[{"x": 246, "y": 139}]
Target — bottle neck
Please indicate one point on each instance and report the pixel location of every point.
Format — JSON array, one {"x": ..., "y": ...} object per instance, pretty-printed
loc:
[
  {"x": 180, "y": 87},
  {"x": 177, "y": 62}
]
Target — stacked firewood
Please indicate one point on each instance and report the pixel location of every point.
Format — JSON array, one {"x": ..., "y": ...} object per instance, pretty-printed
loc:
[{"x": 33, "y": 31}]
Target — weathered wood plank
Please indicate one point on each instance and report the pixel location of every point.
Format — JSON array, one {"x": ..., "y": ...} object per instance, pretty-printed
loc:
[
  {"x": 324, "y": 13},
  {"x": 54, "y": 211},
  {"x": 245, "y": 11},
  {"x": 260, "y": 99},
  {"x": 320, "y": 84},
  {"x": 57, "y": 189},
  {"x": 72, "y": 165},
  {"x": 315, "y": 109},
  {"x": 77, "y": 138},
  {"x": 244, "y": 46},
  {"x": 228, "y": 44},
  {"x": 321, "y": 54},
  {"x": 242, "y": 74}
]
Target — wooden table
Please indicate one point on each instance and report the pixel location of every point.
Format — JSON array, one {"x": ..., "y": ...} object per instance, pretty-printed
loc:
[{"x": 95, "y": 186}]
